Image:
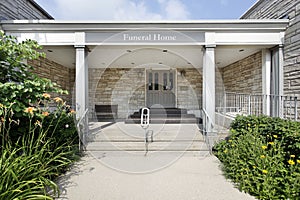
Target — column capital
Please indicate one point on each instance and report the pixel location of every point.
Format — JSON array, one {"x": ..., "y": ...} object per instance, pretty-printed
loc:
[
  {"x": 78, "y": 46},
  {"x": 210, "y": 46}
]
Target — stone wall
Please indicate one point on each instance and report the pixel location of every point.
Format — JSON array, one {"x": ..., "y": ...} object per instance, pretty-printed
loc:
[
  {"x": 244, "y": 76},
  {"x": 63, "y": 76},
  {"x": 117, "y": 86},
  {"x": 126, "y": 88},
  {"x": 21, "y": 9},
  {"x": 189, "y": 88},
  {"x": 284, "y": 9}
]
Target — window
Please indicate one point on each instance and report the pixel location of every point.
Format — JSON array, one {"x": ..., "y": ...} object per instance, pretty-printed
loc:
[
  {"x": 150, "y": 83},
  {"x": 171, "y": 79},
  {"x": 165, "y": 80},
  {"x": 156, "y": 85}
]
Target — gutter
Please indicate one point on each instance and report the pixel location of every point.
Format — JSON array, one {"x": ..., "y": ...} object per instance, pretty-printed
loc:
[
  {"x": 44, "y": 12},
  {"x": 254, "y": 6}
]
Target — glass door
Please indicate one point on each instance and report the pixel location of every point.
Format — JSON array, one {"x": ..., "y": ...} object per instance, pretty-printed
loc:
[{"x": 161, "y": 88}]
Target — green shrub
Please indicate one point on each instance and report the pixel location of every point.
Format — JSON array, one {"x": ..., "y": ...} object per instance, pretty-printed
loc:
[
  {"x": 37, "y": 144},
  {"x": 262, "y": 156}
]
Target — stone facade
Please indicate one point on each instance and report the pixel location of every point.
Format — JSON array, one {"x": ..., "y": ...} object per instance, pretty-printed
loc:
[
  {"x": 125, "y": 87},
  {"x": 63, "y": 76},
  {"x": 189, "y": 88},
  {"x": 244, "y": 76},
  {"x": 284, "y": 9},
  {"x": 21, "y": 9}
]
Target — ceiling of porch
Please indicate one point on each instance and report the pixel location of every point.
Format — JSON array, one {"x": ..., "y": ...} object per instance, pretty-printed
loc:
[{"x": 149, "y": 56}]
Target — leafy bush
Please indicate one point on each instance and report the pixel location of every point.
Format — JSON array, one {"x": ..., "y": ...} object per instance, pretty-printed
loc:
[
  {"x": 13, "y": 56},
  {"x": 37, "y": 143},
  {"x": 262, "y": 156}
]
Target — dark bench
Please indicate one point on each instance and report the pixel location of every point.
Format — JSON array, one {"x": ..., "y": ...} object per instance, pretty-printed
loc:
[{"x": 106, "y": 112}]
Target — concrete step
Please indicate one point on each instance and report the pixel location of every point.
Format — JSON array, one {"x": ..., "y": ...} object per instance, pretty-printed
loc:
[
  {"x": 138, "y": 134},
  {"x": 164, "y": 120},
  {"x": 164, "y": 115},
  {"x": 129, "y": 137},
  {"x": 154, "y": 146},
  {"x": 115, "y": 137}
]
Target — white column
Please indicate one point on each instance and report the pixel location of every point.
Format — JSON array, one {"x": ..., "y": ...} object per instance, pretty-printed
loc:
[
  {"x": 266, "y": 80},
  {"x": 81, "y": 81},
  {"x": 209, "y": 82},
  {"x": 280, "y": 79},
  {"x": 280, "y": 70}
]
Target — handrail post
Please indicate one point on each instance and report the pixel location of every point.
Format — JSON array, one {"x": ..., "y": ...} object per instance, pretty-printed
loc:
[
  {"x": 145, "y": 120},
  {"x": 85, "y": 128},
  {"x": 296, "y": 108},
  {"x": 249, "y": 104}
]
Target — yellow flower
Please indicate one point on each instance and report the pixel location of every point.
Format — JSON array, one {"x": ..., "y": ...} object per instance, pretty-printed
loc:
[
  {"x": 291, "y": 162},
  {"x": 271, "y": 143},
  {"x": 298, "y": 161},
  {"x": 229, "y": 140},
  {"x": 249, "y": 124},
  {"x": 254, "y": 167},
  {"x": 45, "y": 113},
  {"x": 225, "y": 151},
  {"x": 264, "y": 171},
  {"x": 264, "y": 147},
  {"x": 1, "y": 105},
  {"x": 275, "y": 136},
  {"x": 292, "y": 156},
  {"x": 29, "y": 110},
  {"x": 58, "y": 100},
  {"x": 46, "y": 95},
  {"x": 262, "y": 156}
]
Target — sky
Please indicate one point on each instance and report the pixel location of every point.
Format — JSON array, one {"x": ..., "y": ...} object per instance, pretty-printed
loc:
[{"x": 145, "y": 9}]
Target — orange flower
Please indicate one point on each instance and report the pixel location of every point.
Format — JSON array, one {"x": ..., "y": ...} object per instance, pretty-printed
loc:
[
  {"x": 45, "y": 113},
  {"x": 72, "y": 111},
  {"x": 46, "y": 95},
  {"x": 58, "y": 100},
  {"x": 38, "y": 123},
  {"x": 29, "y": 110}
]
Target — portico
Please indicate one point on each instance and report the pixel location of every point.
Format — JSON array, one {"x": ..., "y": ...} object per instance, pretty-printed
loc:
[{"x": 114, "y": 61}]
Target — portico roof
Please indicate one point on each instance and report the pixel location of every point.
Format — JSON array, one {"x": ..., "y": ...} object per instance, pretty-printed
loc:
[
  {"x": 235, "y": 39},
  {"x": 203, "y": 25}
]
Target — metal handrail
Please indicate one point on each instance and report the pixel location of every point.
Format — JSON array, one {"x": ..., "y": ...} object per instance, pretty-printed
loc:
[
  {"x": 81, "y": 134},
  {"x": 208, "y": 127},
  {"x": 207, "y": 121},
  {"x": 284, "y": 106}
]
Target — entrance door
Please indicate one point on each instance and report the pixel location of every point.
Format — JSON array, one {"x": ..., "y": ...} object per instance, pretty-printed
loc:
[{"x": 161, "y": 88}]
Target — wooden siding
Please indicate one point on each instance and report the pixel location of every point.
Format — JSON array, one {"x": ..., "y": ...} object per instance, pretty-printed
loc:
[{"x": 21, "y": 9}]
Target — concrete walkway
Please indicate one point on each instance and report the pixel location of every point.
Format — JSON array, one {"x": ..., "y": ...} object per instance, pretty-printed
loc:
[{"x": 188, "y": 177}]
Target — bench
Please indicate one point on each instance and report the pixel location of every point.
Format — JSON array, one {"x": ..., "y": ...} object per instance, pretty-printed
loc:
[{"x": 106, "y": 111}]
